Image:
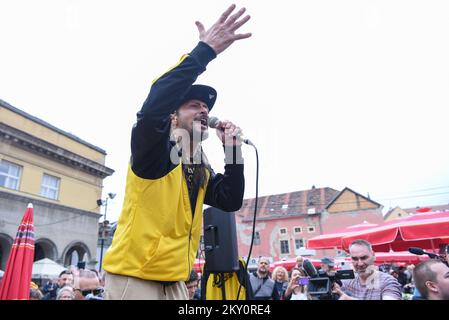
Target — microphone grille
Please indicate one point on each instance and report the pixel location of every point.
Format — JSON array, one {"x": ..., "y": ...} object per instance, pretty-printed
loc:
[{"x": 213, "y": 122}]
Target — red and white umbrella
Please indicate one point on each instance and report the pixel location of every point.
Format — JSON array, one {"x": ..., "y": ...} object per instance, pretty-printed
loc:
[
  {"x": 425, "y": 230},
  {"x": 400, "y": 258},
  {"x": 289, "y": 264},
  {"x": 334, "y": 240},
  {"x": 16, "y": 280},
  {"x": 198, "y": 265}
]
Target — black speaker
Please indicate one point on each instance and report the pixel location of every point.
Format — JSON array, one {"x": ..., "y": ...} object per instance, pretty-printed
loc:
[{"x": 220, "y": 241}]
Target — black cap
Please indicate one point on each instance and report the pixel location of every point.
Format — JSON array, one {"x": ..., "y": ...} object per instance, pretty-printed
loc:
[{"x": 201, "y": 92}]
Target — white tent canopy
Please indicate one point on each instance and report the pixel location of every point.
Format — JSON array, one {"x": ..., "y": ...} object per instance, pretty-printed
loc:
[{"x": 46, "y": 268}]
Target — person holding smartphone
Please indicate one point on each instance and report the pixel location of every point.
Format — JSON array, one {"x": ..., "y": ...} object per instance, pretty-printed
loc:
[{"x": 297, "y": 287}]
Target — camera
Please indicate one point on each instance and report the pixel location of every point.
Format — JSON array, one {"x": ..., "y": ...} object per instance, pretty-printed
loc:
[
  {"x": 320, "y": 287},
  {"x": 321, "y": 283}
]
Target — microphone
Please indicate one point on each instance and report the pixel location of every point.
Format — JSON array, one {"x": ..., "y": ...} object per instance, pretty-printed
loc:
[
  {"x": 420, "y": 252},
  {"x": 213, "y": 123},
  {"x": 309, "y": 268}
]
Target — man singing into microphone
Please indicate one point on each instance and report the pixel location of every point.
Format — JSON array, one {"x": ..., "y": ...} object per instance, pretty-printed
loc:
[{"x": 169, "y": 179}]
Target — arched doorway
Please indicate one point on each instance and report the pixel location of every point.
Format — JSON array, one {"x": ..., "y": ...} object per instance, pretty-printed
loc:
[
  {"x": 45, "y": 248},
  {"x": 76, "y": 252},
  {"x": 5, "y": 247}
]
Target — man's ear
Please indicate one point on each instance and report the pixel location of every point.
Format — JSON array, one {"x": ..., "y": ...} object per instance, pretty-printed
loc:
[{"x": 431, "y": 286}]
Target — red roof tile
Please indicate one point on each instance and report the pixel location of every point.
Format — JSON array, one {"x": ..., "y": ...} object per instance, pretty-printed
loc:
[{"x": 288, "y": 204}]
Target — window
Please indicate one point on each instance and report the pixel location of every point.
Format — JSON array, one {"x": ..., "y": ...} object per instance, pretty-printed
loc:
[
  {"x": 311, "y": 229},
  {"x": 285, "y": 247},
  {"x": 10, "y": 175},
  {"x": 297, "y": 230},
  {"x": 299, "y": 243},
  {"x": 283, "y": 231},
  {"x": 285, "y": 206},
  {"x": 311, "y": 211},
  {"x": 50, "y": 187},
  {"x": 257, "y": 238}
]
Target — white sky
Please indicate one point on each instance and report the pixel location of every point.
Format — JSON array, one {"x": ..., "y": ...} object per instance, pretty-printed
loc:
[{"x": 333, "y": 93}]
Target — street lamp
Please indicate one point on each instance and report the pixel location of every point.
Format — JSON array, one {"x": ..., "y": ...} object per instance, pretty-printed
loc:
[{"x": 105, "y": 223}]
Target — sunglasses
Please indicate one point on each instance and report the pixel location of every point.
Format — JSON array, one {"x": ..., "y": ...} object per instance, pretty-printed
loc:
[{"x": 94, "y": 292}]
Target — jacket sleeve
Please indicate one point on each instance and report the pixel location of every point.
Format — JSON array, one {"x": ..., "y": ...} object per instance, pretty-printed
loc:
[
  {"x": 275, "y": 295},
  {"x": 225, "y": 191},
  {"x": 150, "y": 145}
]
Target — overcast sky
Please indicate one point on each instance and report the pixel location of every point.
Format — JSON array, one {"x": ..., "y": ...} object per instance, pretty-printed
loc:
[{"x": 333, "y": 93}]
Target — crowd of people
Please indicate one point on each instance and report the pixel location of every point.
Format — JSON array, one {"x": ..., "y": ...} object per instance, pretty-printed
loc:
[
  {"x": 72, "y": 284},
  {"x": 82, "y": 284},
  {"x": 429, "y": 280}
]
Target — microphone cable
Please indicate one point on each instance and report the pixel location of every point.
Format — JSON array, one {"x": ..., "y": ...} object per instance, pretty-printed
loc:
[{"x": 254, "y": 222}]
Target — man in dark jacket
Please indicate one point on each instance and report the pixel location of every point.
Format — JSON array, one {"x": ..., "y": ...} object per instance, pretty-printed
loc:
[{"x": 262, "y": 284}]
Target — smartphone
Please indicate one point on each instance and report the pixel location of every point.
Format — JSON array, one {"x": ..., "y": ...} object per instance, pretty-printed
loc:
[{"x": 303, "y": 281}]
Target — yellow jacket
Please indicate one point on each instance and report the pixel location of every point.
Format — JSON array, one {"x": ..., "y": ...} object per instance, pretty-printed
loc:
[{"x": 156, "y": 238}]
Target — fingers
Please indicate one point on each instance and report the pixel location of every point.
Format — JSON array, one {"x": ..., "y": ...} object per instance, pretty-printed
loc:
[
  {"x": 336, "y": 289},
  {"x": 224, "y": 124},
  {"x": 236, "y": 131},
  {"x": 231, "y": 22},
  {"x": 221, "y": 35},
  {"x": 227, "y": 129},
  {"x": 234, "y": 17},
  {"x": 200, "y": 27},
  {"x": 230, "y": 129},
  {"x": 226, "y": 14},
  {"x": 240, "y": 23},
  {"x": 241, "y": 36}
]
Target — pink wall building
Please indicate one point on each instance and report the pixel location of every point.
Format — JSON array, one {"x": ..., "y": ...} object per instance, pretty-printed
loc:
[{"x": 285, "y": 221}]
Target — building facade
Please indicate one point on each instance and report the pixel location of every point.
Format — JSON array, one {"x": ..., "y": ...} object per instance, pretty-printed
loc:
[
  {"x": 398, "y": 212},
  {"x": 61, "y": 175},
  {"x": 286, "y": 221}
]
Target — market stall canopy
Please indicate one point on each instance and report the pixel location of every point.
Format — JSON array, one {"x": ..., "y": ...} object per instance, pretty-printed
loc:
[
  {"x": 334, "y": 240},
  {"x": 425, "y": 230},
  {"x": 46, "y": 268}
]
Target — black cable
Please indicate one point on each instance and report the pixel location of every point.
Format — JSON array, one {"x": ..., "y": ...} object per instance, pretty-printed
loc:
[{"x": 254, "y": 220}]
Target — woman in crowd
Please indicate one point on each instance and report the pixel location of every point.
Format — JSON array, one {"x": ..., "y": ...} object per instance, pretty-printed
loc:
[
  {"x": 66, "y": 293},
  {"x": 297, "y": 287},
  {"x": 280, "y": 277}
]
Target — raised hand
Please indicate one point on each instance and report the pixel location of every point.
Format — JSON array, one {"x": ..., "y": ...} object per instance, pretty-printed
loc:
[{"x": 222, "y": 34}]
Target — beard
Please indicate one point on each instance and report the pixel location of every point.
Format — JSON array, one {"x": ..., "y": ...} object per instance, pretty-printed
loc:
[{"x": 199, "y": 133}]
